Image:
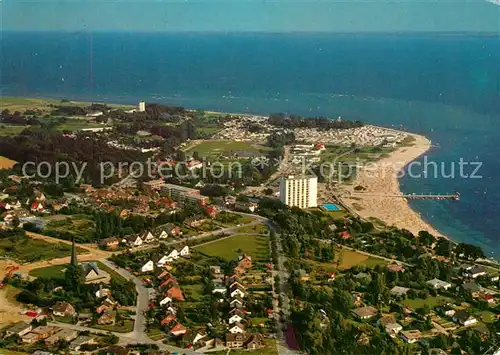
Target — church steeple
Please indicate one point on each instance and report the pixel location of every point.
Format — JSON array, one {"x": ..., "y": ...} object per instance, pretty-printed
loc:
[{"x": 73, "y": 261}]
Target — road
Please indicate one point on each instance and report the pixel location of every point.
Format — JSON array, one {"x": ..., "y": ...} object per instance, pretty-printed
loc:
[{"x": 138, "y": 335}]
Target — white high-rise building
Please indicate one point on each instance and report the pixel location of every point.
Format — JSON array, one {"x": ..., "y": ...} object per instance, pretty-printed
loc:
[
  {"x": 141, "y": 106},
  {"x": 299, "y": 191}
]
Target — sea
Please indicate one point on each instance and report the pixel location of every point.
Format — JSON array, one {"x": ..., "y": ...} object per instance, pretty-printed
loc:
[{"x": 441, "y": 85}]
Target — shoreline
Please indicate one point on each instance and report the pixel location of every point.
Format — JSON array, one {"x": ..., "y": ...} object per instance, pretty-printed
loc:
[{"x": 382, "y": 181}]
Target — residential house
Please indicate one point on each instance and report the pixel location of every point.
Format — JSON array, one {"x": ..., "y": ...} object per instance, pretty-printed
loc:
[
  {"x": 63, "y": 309},
  {"x": 411, "y": 336},
  {"x": 218, "y": 288},
  {"x": 39, "y": 333},
  {"x": 175, "y": 293},
  {"x": 172, "y": 255},
  {"x": 148, "y": 266},
  {"x": 211, "y": 211},
  {"x": 165, "y": 300},
  {"x": 472, "y": 287},
  {"x": 169, "y": 282},
  {"x": 489, "y": 298},
  {"x": 172, "y": 230},
  {"x": 163, "y": 275},
  {"x": 19, "y": 329},
  {"x": 37, "y": 207},
  {"x": 110, "y": 243},
  {"x": 236, "y": 302},
  {"x": 235, "y": 340},
  {"x": 245, "y": 261},
  {"x": 103, "y": 292},
  {"x": 169, "y": 318},
  {"x": 393, "y": 329},
  {"x": 148, "y": 237},
  {"x": 365, "y": 312},
  {"x": 395, "y": 268},
  {"x": 107, "y": 317},
  {"x": 76, "y": 344},
  {"x": 237, "y": 328},
  {"x": 476, "y": 272},
  {"x": 254, "y": 341},
  {"x": 108, "y": 304},
  {"x": 215, "y": 270},
  {"x": 399, "y": 291},
  {"x": 438, "y": 284},
  {"x": 331, "y": 277},
  {"x": 184, "y": 251},
  {"x": 133, "y": 241},
  {"x": 238, "y": 291},
  {"x": 302, "y": 275},
  {"x": 464, "y": 318},
  {"x": 236, "y": 317},
  {"x": 178, "y": 329},
  {"x": 64, "y": 334}
]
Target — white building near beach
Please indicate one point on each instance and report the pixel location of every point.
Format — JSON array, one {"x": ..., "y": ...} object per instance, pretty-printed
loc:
[{"x": 299, "y": 191}]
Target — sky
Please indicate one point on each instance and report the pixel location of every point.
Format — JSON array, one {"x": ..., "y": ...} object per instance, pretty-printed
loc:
[{"x": 251, "y": 15}]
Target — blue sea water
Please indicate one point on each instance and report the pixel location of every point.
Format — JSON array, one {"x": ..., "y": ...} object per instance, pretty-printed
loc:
[{"x": 446, "y": 87}]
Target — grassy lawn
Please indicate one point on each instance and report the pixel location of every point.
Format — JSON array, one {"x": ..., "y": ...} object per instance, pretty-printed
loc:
[
  {"x": 81, "y": 226},
  {"x": 193, "y": 292},
  {"x": 11, "y": 130},
  {"x": 155, "y": 334},
  {"x": 211, "y": 148},
  {"x": 351, "y": 258},
  {"x": 431, "y": 301},
  {"x": 54, "y": 271},
  {"x": 10, "y": 352},
  {"x": 256, "y": 228},
  {"x": 128, "y": 326},
  {"x": 30, "y": 250},
  {"x": 229, "y": 249},
  {"x": 487, "y": 316}
]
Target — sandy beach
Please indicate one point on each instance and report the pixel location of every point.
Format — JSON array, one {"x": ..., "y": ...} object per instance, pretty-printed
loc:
[{"x": 381, "y": 184}]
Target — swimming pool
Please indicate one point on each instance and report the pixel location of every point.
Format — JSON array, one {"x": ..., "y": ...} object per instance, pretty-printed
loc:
[{"x": 331, "y": 207}]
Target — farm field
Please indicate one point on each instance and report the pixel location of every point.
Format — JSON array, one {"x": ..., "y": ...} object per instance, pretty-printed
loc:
[{"x": 256, "y": 246}]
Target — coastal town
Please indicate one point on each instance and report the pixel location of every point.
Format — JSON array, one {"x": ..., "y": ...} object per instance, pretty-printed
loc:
[{"x": 227, "y": 245}]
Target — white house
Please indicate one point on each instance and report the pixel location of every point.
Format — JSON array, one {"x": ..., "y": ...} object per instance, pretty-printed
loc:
[
  {"x": 134, "y": 241},
  {"x": 237, "y": 292},
  {"x": 184, "y": 251},
  {"x": 164, "y": 260},
  {"x": 149, "y": 237},
  {"x": 173, "y": 255},
  {"x": 235, "y": 319},
  {"x": 438, "y": 284},
  {"x": 476, "y": 272},
  {"x": 165, "y": 301},
  {"x": 220, "y": 289},
  {"x": 149, "y": 266},
  {"x": 163, "y": 235},
  {"x": 237, "y": 328},
  {"x": 236, "y": 303}
]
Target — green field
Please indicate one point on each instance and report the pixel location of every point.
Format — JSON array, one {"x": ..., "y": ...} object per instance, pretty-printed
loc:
[
  {"x": 22, "y": 104},
  {"x": 81, "y": 226},
  {"x": 10, "y": 352},
  {"x": 128, "y": 326},
  {"x": 256, "y": 246},
  {"x": 256, "y": 228},
  {"x": 11, "y": 130},
  {"x": 193, "y": 292},
  {"x": 212, "y": 148},
  {"x": 30, "y": 250},
  {"x": 430, "y": 301}
]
